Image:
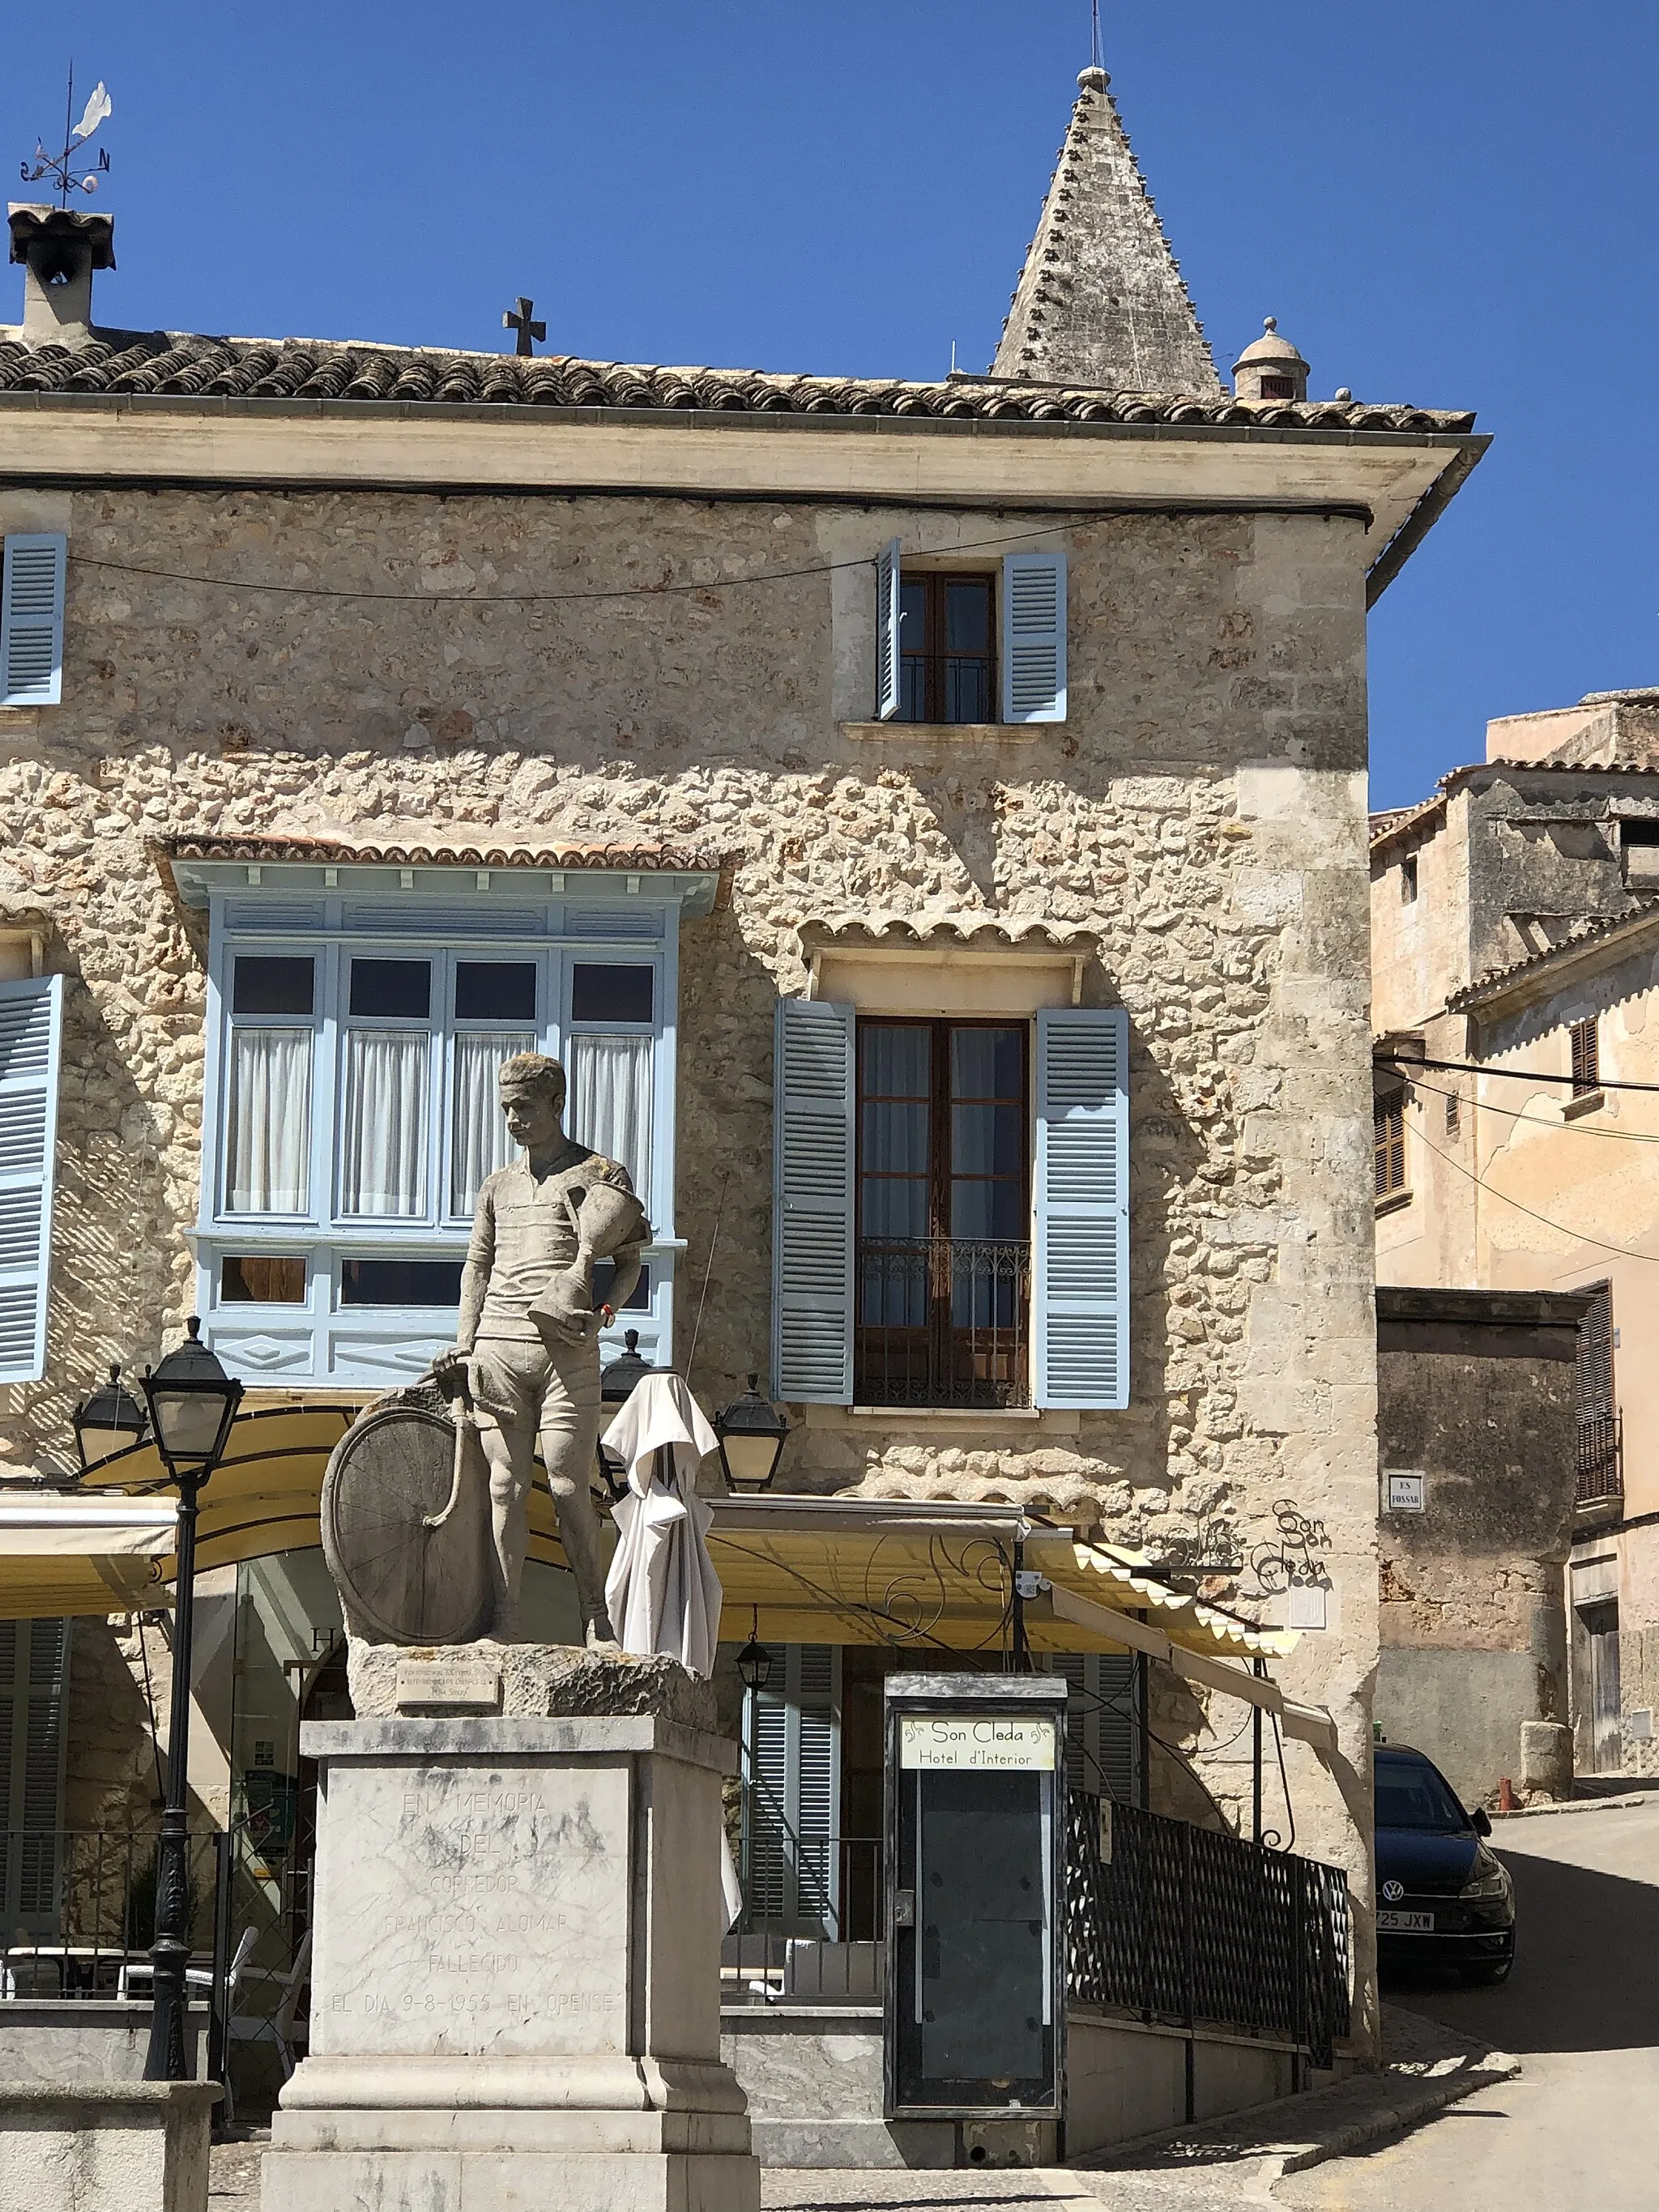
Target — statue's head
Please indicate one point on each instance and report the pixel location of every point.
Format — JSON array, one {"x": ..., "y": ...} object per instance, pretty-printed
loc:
[{"x": 533, "y": 1099}]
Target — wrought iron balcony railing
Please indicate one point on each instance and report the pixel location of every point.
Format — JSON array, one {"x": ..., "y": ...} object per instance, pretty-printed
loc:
[{"x": 943, "y": 1321}]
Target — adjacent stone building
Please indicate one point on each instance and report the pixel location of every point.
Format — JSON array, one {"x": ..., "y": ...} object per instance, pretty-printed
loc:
[
  {"x": 1515, "y": 933},
  {"x": 929, "y": 820}
]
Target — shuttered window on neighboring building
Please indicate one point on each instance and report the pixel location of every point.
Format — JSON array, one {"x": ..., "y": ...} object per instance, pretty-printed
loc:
[
  {"x": 1388, "y": 1129},
  {"x": 31, "y": 1035},
  {"x": 792, "y": 1815},
  {"x": 1586, "y": 1058},
  {"x": 1599, "y": 1474},
  {"x": 33, "y": 1693}
]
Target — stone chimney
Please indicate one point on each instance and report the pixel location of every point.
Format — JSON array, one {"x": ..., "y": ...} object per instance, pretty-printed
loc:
[
  {"x": 1272, "y": 368},
  {"x": 59, "y": 247}
]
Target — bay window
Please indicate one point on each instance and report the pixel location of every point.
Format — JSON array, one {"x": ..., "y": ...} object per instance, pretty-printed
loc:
[{"x": 353, "y": 1111}]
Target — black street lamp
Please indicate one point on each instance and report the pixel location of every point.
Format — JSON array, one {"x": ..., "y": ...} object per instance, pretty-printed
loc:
[
  {"x": 192, "y": 1402},
  {"x": 751, "y": 1432},
  {"x": 109, "y": 1421},
  {"x": 755, "y": 1661},
  {"x": 617, "y": 1383}
]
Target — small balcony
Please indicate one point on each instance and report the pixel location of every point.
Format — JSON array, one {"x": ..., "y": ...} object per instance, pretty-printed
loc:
[
  {"x": 1601, "y": 1480},
  {"x": 943, "y": 1322}
]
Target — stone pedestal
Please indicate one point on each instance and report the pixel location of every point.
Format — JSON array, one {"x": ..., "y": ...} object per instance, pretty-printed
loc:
[{"x": 515, "y": 1980}]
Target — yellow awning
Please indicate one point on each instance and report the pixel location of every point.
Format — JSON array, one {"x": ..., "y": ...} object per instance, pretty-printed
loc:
[
  {"x": 929, "y": 1576},
  {"x": 63, "y": 1554}
]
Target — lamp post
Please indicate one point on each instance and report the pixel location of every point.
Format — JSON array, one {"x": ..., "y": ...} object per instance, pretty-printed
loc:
[
  {"x": 617, "y": 1383},
  {"x": 192, "y": 1402},
  {"x": 751, "y": 1432},
  {"x": 109, "y": 1421}
]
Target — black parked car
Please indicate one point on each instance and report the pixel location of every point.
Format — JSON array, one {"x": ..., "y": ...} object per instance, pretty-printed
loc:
[{"x": 1444, "y": 1899}]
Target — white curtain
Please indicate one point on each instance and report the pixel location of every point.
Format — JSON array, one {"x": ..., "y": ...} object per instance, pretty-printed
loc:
[
  {"x": 611, "y": 1102},
  {"x": 383, "y": 1145},
  {"x": 479, "y": 1143},
  {"x": 268, "y": 1153}
]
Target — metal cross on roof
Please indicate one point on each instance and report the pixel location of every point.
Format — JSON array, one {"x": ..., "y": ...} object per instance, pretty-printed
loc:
[{"x": 521, "y": 321}]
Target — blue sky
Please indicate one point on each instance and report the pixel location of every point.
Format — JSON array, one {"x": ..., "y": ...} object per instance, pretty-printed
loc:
[{"x": 1452, "y": 204}]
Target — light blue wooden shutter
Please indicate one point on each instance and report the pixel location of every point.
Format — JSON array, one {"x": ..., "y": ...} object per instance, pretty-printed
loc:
[
  {"x": 1080, "y": 1271},
  {"x": 31, "y": 1034},
  {"x": 31, "y": 620},
  {"x": 1102, "y": 1733},
  {"x": 1034, "y": 637},
  {"x": 812, "y": 1203},
  {"x": 887, "y": 631}
]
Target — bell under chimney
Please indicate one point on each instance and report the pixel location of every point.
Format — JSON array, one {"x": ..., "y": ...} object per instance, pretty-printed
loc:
[{"x": 59, "y": 248}]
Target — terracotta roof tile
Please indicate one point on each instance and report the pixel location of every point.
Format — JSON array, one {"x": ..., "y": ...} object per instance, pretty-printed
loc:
[
  {"x": 1593, "y": 930},
  {"x": 165, "y": 364},
  {"x": 633, "y": 860}
]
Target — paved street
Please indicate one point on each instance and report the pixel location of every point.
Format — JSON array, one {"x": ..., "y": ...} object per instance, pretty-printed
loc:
[{"x": 1580, "y": 2012}]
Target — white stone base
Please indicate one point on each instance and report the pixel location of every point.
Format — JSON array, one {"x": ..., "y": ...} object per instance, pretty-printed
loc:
[{"x": 515, "y": 1984}]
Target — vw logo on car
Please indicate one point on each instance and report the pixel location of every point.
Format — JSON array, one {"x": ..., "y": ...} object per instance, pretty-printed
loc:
[{"x": 1394, "y": 1891}]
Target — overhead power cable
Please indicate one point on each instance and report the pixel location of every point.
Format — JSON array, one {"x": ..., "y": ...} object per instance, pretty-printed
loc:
[
  {"x": 1404, "y": 1063},
  {"x": 1534, "y": 1121},
  {"x": 540, "y": 598},
  {"x": 1573, "y": 1235}
]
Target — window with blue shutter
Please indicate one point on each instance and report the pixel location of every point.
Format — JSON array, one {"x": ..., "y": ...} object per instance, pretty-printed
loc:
[
  {"x": 31, "y": 1034},
  {"x": 812, "y": 1203},
  {"x": 32, "y": 619},
  {"x": 1103, "y": 1725},
  {"x": 792, "y": 1826},
  {"x": 1079, "y": 1267},
  {"x": 1034, "y": 637},
  {"x": 887, "y": 631}
]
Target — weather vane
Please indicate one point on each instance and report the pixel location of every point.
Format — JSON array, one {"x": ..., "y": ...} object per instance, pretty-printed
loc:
[{"x": 60, "y": 168}]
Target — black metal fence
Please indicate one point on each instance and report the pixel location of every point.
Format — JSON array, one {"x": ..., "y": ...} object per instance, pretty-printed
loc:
[
  {"x": 1191, "y": 1927},
  {"x": 77, "y": 1909}
]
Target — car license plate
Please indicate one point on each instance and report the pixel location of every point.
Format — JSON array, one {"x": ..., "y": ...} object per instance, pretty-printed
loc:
[{"x": 1404, "y": 1923}]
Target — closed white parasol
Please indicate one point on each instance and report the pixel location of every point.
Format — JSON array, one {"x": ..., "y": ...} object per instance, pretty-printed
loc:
[{"x": 662, "y": 1592}]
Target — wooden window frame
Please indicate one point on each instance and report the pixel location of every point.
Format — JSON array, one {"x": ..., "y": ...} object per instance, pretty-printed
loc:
[
  {"x": 940, "y": 1330},
  {"x": 935, "y": 582}
]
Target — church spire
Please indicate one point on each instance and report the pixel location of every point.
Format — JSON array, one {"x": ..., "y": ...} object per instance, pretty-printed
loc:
[{"x": 1100, "y": 300}]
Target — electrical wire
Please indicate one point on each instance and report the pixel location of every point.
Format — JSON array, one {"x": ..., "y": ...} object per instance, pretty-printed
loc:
[
  {"x": 1533, "y": 1121},
  {"x": 1403, "y": 1064},
  {"x": 543, "y": 599},
  {"x": 1574, "y": 1235}
]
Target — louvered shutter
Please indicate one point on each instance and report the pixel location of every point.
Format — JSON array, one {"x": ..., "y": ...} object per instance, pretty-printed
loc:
[
  {"x": 1103, "y": 1737},
  {"x": 887, "y": 631},
  {"x": 31, "y": 1032},
  {"x": 31, "y": 620},
  {"x": 794, "y": 1796},
  {"x": 812, "y": 1203},
  {"x": 33, "y": 1692},
  {"x": 1034, "y": 637},
  {"x": 1080, "y": 1255}
]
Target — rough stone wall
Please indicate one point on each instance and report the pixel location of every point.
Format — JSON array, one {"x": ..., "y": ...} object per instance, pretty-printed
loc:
[
  {"x": 1201, "y": 812},
  {"x": 1478, "y": 1394}
]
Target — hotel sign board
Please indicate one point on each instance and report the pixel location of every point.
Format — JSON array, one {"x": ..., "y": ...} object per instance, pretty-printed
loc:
[{"x": 976, "y": 1743}]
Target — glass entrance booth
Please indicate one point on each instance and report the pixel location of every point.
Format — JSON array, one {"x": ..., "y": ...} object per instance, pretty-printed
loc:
[{"x": 975, "y": 2015}]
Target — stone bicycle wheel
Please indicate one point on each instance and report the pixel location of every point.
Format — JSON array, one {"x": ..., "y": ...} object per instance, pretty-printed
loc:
[{"x": 400, "y": 1579}]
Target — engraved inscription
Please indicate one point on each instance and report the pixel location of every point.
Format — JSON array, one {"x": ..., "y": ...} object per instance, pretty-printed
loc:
[{"x": 470, "y": 1913}]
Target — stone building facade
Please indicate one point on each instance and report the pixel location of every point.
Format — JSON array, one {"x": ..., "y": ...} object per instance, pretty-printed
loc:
[
  {"x": 591, "y": 660},
  {"x": 1514, "y": 934}
]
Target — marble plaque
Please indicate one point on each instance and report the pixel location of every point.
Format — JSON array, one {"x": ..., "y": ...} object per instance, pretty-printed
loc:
[
  {"x": 445, "y": 1683},
  {"x": 479, "y": 1909}
]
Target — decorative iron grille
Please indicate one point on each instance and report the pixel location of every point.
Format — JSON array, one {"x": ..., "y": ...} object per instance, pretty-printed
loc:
[
  {"x": 1600, "y": 1459},
  {"x": 943, "y": 1321},
  {"x": 1190, "y": 1927}
]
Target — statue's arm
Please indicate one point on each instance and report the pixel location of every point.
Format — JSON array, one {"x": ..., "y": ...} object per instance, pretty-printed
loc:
[{"x": 475, "y": 1275}]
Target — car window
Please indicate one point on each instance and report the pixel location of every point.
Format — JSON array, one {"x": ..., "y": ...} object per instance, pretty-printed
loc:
[{"x": 1413, "y": 1796}]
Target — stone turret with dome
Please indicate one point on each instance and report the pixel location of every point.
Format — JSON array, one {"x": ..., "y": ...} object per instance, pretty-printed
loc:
[{"x": 1271, "y": 369}]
